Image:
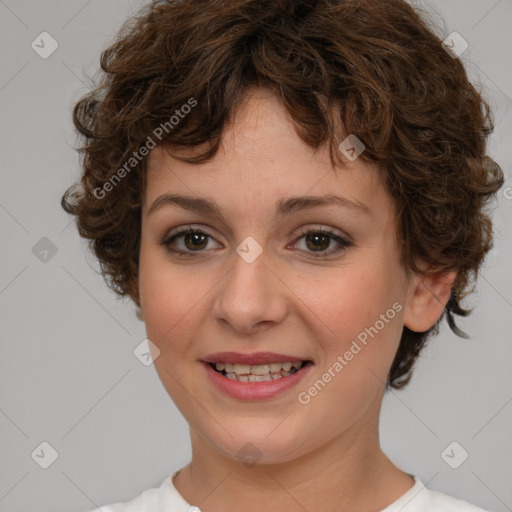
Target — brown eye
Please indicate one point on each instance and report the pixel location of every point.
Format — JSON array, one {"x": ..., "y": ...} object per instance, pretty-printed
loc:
[
  {"x": 316, "y": 241},
  {"x": 187, "y": 242},
  {"x": 195, "y": 241}
]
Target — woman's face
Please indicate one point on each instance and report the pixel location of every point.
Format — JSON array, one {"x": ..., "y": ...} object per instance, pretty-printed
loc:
[{"x": 254, "y": 282}]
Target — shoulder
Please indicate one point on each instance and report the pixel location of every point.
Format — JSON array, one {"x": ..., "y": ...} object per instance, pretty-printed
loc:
[
  {"x": 440, "y": 502},
  {"x": 421, "y": 499},
  {"x": 155, "y": 499},
  {"x": 140, "y": 502}
]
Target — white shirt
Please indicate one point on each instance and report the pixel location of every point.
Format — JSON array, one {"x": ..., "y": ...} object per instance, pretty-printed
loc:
[{"x": 167, "y": 499}]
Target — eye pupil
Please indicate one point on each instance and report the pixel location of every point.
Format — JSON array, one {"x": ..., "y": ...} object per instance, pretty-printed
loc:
[
  {"x": 195, "y": 238},
  {"x": 316, "y": 237}
]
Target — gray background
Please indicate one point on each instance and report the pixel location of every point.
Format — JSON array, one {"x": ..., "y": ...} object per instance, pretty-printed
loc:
[{"x": 68, "y": 375}]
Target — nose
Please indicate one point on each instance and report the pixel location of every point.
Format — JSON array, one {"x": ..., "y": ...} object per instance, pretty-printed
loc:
[{"x": 251, "y": 297}]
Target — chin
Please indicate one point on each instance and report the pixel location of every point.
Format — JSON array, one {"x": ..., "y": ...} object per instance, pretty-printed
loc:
[{"x": 260, "y": 444}]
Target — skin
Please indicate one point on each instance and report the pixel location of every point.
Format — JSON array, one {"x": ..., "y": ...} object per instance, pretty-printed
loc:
[{"x": 323, "y": 455}]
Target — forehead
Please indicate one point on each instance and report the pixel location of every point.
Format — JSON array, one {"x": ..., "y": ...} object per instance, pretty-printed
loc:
[{"x": 260, "y": 160}]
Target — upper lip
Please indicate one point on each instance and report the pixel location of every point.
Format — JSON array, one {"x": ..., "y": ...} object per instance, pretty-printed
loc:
[{"x": 255, "y": 358}]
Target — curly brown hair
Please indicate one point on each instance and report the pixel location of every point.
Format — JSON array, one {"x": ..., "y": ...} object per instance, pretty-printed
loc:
[{"x": 376, "y": 67}]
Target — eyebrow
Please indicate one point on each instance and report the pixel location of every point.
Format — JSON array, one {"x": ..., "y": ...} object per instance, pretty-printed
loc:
[{"x": 284, "y": 206}]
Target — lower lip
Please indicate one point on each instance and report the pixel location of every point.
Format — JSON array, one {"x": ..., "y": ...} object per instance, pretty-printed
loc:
[{"x": 255, "y": 390}]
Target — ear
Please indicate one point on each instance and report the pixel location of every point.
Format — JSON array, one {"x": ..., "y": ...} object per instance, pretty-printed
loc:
[
  {"x": 139, "y": 313},
  {"x": 428, "y": 296}
]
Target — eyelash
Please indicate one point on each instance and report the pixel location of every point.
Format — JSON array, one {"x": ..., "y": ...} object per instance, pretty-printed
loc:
[{"x": 344, "y": 243}]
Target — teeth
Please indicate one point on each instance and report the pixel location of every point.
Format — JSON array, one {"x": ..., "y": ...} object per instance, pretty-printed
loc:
[
  {"x": 257, "y": 378},
  {"x": 242, "y": 369},
  {"x": 258, "y": 372},
  {"x": 255, "y": 369}
]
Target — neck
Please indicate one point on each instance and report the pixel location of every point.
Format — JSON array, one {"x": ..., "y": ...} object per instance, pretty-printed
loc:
[{"x": 348, "y": 473}]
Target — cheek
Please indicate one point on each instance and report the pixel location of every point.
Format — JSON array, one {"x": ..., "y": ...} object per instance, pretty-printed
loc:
[
  {"x": 170, "y": 302},
  {"x": 165, "y": 298},
  {"x": 356, "y": 314},
  {"x": 358, "y": 336},
  {"x": 349, "y": 299}
]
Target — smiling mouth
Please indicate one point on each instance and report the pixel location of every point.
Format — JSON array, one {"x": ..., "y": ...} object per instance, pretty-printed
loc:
[{"x": 258, "y": 372}]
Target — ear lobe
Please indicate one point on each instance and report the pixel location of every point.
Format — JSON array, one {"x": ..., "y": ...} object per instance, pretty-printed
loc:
[{"x": 427, "y": 299}]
